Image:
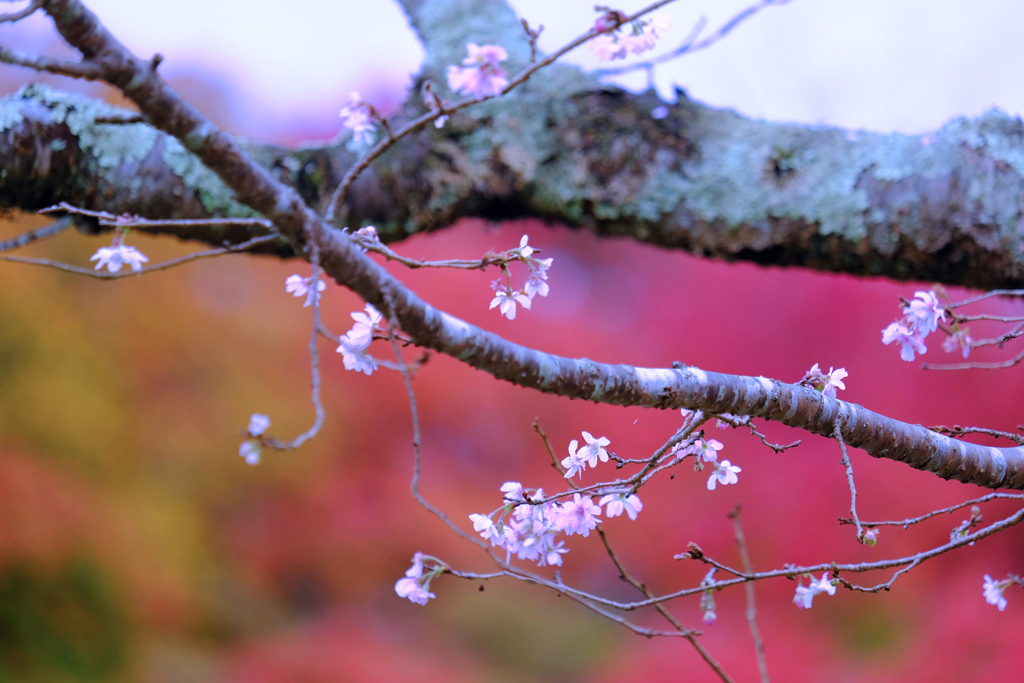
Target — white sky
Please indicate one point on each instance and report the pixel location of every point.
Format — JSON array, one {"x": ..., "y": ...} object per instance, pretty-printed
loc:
[{"x": 885, "y": 65}]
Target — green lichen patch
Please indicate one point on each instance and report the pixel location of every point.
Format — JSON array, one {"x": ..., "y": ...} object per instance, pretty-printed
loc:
[{"x": 108, "y": 145}]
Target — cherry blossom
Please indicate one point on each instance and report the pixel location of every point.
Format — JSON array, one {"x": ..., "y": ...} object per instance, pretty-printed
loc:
[
  {"x": 594, "y": 450},
  {"x": 805, "y": 596},
  {"x": 507, "y": 300},
  {"x": 960, "y": 339},
  {"x": 297, "y": 286},
  {"x": 361, "y": 334},
  {"x": 871, "y": 536},
  {"x": 353, "y": 343},
  {"x": 825, "y": 382},
  {"x": 908, "y": 339},
  {"x": 258, "y": 424},
  {"x": 615, "y": 503},
  {"x": 513, "y": 490},
  {"x": 579, "y": 516},
  {"x": 824, "y": 585},
  {"x": 725, "y": 473},
  {"x": 575, "y": 463},
  {"x": 525, "y": 250},
  {"x": 924, "y": 312},
  {"x": 706, "y": 450},
  {"x": 707, "y": 602},
  {"x": 993, "y": 591},
  {"x": 250, "y": 450},
  {"x": 480, "y": 76},
  {"x": 357, "y": 116},
  {"x": 415, "y": 586},
  {"x": 117, "y": 255},
  {"x": 616, "y": 41},
  {"x": 488, "y": 530},
  {"x": 356, "y": 359}
]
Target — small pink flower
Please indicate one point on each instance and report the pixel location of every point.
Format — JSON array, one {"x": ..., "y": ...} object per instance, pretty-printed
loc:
[
  {"x": 507, "y": 300},
  {"x": 959, "y": 339},
  {"x": 480, "y": 75},
  {"x": 909, "y": 340},
  {"x": 924, "y": 312},
  {"x": 617, "y": 503},
  {"x": 579, "y": 516}
]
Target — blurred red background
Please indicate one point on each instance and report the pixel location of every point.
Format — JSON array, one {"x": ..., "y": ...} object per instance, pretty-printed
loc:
[{"x": 136, "y": 545}]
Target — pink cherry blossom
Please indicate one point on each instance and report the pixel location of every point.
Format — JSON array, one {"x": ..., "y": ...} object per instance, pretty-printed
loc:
[
  {"x": 959, "y": 339},
  {"x": 725, "y": 473},
  {"x": 299, "y": 286},
  {"x": 924, "y": 312},
  {"x": 507, "y": 300},
  {"x": 575, "y": 463},
  {"x": 480, "y": 75},
  {"x": 579, "y": 516},
  {"x": 594, "y": 450},
  {"x": 993, "y": 591},
  {"x": 615, "y": 503},
  {"x": 909, "y": 340},
  {"x": 357, "y": 117}
]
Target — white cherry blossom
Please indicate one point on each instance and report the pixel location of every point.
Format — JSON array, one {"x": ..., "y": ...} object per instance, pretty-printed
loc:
[
  {"x": 117, "y": 255},
  {"x": 725, "y": 473}
]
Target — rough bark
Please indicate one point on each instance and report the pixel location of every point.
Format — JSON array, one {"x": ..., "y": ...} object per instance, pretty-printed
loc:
[{"x": 945, "y": 207}]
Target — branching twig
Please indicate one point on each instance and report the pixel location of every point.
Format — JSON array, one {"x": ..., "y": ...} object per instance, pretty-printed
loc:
[
  {"x": 99, "y": 275},
  {"x": 997, "y": 365},
  {"x": 748, "y": 567},
  {"x": 691, "y": 44},
  {"x": 338, "y": 196},
  {"x": 838, "y": 436},
  {"x": 957, "y": 430},
  {"x": 914, "y": 520}
]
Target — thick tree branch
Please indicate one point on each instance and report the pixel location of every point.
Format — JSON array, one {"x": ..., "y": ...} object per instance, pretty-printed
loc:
[{"x": 944, "y": 206}]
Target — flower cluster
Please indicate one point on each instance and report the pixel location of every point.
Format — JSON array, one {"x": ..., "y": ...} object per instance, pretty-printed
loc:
[
  {"x": 250, "y": 448},
  {"x": 527, "y": 527},
  {"x": 804, "y": 595},
  {"x": 505, "y": 297},
  {"x": 921, "y": 317},
  {"x": 416, "y": 584},
  {"x": 358, "y": 117},
  {"x": 355, "y": 342},
  {"x": 825, "y": 382},
  {"x": 479, "y": 76},
  {"x": 617, "y": 40},
  {"x": 299, "y": 286},
  {"x": 117, "y": 255},
  {"x": 704, "y": 452}
]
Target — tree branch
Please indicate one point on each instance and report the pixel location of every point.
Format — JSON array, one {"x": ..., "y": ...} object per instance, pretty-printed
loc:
[{"x": 688, "y": 387}]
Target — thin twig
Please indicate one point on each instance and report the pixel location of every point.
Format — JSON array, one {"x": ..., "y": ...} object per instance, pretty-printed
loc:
[
  {"x": 54, "y": 228},
  {"x": 242, "y": 246},
  {"x": 314, "y": 357},
  {"x": 957, "y": 430},
  {"x": 22, "y": 13},
  {"x": 976, "y": 366},
  {"x": 338, "y": 196},
  {"x": 838, "y": 436},
  {"x": 85, "y": 70},
  {"x": 915, "y": 520},
  {"x": 748, "y": 567},
  {"x": 107, "y": 219},
  {"x": 690, "y": 635},
  {"x": 690, "y": 44}
]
